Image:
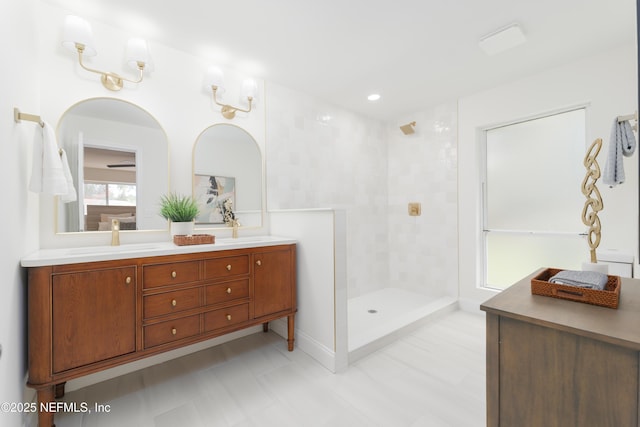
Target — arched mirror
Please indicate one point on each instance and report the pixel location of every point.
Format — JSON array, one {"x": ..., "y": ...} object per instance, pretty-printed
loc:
[
  {"x": 119, "y": 159},
  {"x": 227, "y": 172}
]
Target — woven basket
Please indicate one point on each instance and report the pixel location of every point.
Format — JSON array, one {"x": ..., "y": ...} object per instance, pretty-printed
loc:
[
  {"x": 193, "y": 239},
  {"x": 608, "y": 297}
]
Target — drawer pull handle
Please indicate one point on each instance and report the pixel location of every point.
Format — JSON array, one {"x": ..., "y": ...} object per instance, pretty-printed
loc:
[
  {"x": 127, "y": 280},
  {"x": 174, "y": 303},
  {"x": 228, "y": 317},
  {"x": 229, "y": 267},
  {"x": 174, "y": 331},
  {"x": 174, "y": 274},
  {"x": 228, "y": 290},
  {"x": 258, "y": 263}
]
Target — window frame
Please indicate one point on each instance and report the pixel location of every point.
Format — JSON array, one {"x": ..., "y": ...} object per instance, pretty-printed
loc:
[{"x": 485, "y": 231}]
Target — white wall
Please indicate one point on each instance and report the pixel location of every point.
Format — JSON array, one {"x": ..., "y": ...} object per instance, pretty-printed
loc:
[
  {"x": 173, "y": 94},
  {"x": 321, "y": 321},
  {"x": 607, "y": 84},
  {"x": 19, "y": 88}
]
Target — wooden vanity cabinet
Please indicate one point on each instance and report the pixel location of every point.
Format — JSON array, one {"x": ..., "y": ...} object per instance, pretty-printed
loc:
[
  {"x": 274, "y": 286},
  {"x": 84, "y": 318},
  {"x": 272, "y": 282},
  {"x": 93, "y": 316}
]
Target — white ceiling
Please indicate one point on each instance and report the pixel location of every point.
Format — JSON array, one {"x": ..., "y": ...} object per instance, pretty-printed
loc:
[{"x": 415, "y": 53}]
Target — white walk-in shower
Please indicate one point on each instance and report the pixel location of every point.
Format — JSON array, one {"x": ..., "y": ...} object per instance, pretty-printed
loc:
[
  {"x": 377, "y": 318},
  {"x": 403, "y": 251}
]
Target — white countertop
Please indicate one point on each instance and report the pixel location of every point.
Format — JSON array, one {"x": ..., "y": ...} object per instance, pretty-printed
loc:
[{"x": 59, "y": 256}]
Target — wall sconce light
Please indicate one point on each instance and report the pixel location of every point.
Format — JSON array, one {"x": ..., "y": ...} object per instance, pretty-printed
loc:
[
  {"x": 78, "y": 37},
  {"x": 214, "y": 79}
]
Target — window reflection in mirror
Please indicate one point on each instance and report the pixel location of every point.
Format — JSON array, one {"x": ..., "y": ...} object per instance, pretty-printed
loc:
[
  {"x": 109, "y": 180},
  {"x": 227, "y": 165},
  {"x": 118, "y": 156}
]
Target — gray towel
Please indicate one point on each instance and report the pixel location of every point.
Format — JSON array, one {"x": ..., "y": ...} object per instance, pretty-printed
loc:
[
  {"x": 622, "y": 143},
  {"x": 582, "y": 279}
]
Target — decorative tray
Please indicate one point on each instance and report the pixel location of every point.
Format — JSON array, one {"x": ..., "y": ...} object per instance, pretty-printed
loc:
[
  {"x": 193, "y": 239},
  {"x": 608, "y": 297}
]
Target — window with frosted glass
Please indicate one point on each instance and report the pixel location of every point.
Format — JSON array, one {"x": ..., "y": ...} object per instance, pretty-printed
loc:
[{"x": 532, "y": 197}]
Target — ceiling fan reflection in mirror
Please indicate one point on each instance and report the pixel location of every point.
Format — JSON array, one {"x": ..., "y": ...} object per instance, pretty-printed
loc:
[{"x": 123, "y": 164}]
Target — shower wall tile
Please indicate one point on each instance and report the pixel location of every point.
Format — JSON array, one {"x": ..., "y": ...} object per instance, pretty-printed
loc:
[
  {"x": 313, "y": 161},
  {"x": 422, "y": 167},
  {"x": 370, "y": 169}
]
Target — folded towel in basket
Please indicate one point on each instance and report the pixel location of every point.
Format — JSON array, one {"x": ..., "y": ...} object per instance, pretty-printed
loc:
[{"x": 582, "y": 279}]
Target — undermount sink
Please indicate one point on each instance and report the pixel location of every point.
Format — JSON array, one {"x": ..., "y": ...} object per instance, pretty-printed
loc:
[{"x": 97, "y": 250}]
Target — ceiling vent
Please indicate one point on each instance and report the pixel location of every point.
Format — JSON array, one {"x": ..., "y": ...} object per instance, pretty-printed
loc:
[{"x": 502, "y": 40}]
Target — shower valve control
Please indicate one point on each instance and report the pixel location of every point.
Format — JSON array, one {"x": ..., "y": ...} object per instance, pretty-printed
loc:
[{"x": 415, "y": 209}]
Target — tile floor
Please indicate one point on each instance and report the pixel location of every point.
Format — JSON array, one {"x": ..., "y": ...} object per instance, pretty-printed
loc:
[{"x": 433, "y": 377}]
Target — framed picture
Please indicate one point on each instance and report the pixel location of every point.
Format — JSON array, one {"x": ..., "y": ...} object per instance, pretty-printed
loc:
[{"x": 211, "y": 192}]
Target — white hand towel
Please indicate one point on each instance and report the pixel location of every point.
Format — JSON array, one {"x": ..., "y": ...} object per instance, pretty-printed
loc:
[
  {"x": 71, "y": 195},
  {"x": 621, "y": 144},
  {"x": 35, "y": 183},
  {"x": 47, "y": 175}
]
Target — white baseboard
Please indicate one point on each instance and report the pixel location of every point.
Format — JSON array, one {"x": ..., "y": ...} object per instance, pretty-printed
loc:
[
  {"x": 470, "y": 305},
  {"x": 325, "y": 356}
]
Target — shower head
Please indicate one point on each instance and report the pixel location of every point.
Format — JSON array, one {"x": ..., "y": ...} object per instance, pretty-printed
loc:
[{"x": 408, "y": 129}]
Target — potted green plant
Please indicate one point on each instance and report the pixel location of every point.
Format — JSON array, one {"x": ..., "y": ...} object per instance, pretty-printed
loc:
[{"x": 181, "y": 211}]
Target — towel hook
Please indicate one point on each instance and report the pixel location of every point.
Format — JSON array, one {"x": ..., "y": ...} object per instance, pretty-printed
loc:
[
  {"x": 18, "y": 117},
  {"x": 630, "y": 117}
]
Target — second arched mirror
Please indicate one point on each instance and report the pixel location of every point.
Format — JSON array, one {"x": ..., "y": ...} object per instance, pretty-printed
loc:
[{"x": 227, "y": 174}]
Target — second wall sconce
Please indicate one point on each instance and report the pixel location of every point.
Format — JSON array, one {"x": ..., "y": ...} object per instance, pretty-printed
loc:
[
  {"x": 214, "y": 80},
  {"x": 78, "y": 37}
]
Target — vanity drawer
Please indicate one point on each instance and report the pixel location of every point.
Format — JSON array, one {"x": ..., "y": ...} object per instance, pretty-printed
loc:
[
  {"x": 170, "y": 302},
  {"x": 227, "y": 291},
  {"x": 226, "y": 317},
  {"x": 225, "y": 267},
  {"x": 171, "y": 330},
  {"x": 170, "y": 274}
]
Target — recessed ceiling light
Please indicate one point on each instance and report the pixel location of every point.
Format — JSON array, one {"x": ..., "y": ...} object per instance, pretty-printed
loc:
[
  {"x": 503, "y": 39},
  {"x": 373, "y": 97}
]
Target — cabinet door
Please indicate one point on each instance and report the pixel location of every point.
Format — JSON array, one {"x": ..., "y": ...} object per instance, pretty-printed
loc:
[
  {"x": 273, "y": 282},
  {"x": 93, "y": 316},
  {"x": 550, "y": 377}
]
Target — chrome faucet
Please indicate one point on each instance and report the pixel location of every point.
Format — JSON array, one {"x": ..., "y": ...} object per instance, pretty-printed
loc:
[{"x": 115, "y": 232}]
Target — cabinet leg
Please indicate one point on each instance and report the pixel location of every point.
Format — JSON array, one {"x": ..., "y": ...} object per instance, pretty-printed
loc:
[
  {"x": 59, "y": 390},
  {"x": 290, "y": 328},
  {"x": 265, "y": 327},
  {"x": 45, "y": 395}
]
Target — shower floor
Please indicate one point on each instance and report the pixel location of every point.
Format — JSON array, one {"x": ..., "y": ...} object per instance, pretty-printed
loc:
[{"x": 379, "y": 318}]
